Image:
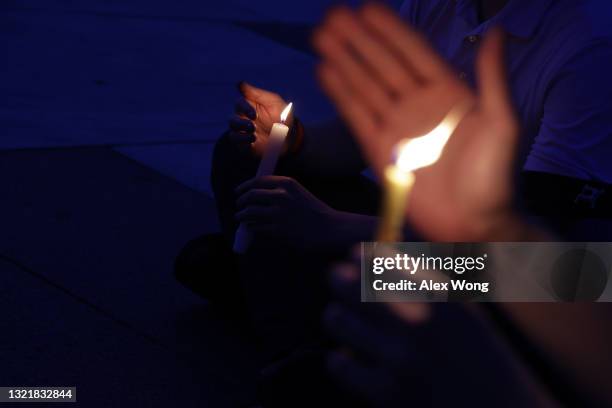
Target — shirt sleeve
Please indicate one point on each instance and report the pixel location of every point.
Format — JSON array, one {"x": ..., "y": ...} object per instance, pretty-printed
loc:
[{"x": 575, "y": 137}]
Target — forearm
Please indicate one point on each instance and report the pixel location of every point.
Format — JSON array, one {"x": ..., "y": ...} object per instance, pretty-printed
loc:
[
  {"x": 574, "y": 336},
  {"x": 325, "y": 150}
]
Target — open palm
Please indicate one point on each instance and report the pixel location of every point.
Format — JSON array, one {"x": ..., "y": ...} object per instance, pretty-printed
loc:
[{"x": 389, "y": 85}]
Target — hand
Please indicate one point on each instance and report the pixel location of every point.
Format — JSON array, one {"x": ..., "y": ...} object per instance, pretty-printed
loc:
[
  {"x": 388, "y": 84},
  {"x": 280, "y": 208},
  {"x": 255, "y": 113},
  {"x": 415, "y": 354}
]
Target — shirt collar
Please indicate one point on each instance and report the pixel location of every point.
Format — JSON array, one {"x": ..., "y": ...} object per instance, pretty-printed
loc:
[{"x": 520, "y": 18}]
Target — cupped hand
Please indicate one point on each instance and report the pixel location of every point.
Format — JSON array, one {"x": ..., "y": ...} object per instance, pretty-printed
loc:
[
  {"x": 280, "y": 208},
  {"x": 255, "y": 113},
  {"x": 416, "y": 354},
  {"x": 389, "y": 85}
]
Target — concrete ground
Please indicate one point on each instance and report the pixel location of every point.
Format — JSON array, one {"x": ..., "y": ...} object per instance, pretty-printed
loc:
[{"x": 108, "y": 114}]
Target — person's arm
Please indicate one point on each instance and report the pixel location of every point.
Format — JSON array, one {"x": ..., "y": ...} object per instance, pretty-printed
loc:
[
  {"x": 281, "y": 209},
  {"x": 576, "y": 338}
]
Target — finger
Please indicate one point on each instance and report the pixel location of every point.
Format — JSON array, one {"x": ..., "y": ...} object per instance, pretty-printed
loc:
[
  {"x": 255, "y": 94},
  {"x": 266, "y": 182},
  {"x": 257, "y": 213},
  {"x": 354, "y": 376},
  {"x": 352, "y": 72},
  {"x": 241, "y": 138},
  {"x": 241, "y": 125},
  {"x": 351, "y": 330},
  {"x": 373, "y": 53},
  {"x": 405, "y": 42},
  {"x": 354, "y": 112},
  {"x": 493, "y": 84},
  {"x": 243, "y": 107},
  {"x": 260, "y": 197}
]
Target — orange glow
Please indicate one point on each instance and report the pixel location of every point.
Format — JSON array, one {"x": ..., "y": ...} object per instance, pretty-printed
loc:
[
  {"x": 423, "y": 151},
  {"x": 285, "y": 112}
]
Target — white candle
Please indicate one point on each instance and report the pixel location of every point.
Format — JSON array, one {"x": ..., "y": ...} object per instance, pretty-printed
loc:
[
  {"x": 397, "y": 186},
  {"x": 269, "y": 159},
  {"x": 276, "y": 141}
]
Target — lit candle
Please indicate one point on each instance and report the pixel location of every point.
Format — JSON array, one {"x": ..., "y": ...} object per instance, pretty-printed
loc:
[
  {"x": 412, "y": 154},
  {"x": 274, "y": 148}
]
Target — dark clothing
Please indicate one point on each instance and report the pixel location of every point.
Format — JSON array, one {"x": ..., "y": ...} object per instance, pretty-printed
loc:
[
  {"x": 554, "y": 195},
  {"x": 572, "y": 209}
]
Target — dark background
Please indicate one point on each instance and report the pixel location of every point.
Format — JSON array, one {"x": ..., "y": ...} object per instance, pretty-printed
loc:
[{"x": 108, "y": 114}]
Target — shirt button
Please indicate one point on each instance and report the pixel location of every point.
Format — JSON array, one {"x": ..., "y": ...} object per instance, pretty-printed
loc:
[
  {"x": 462, "y": 75},
  {"x": 472, "y": 38}
]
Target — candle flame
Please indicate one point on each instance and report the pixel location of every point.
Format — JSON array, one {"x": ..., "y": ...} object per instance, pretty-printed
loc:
[
  {"x": 285, "y": 113},
  {"x": 418, "y": 152}
]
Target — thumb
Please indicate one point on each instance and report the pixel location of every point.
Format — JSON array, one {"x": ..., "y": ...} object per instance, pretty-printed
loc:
[
  {"x": 492, "y": 81},
  {"x": 496, "y": 103}
]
